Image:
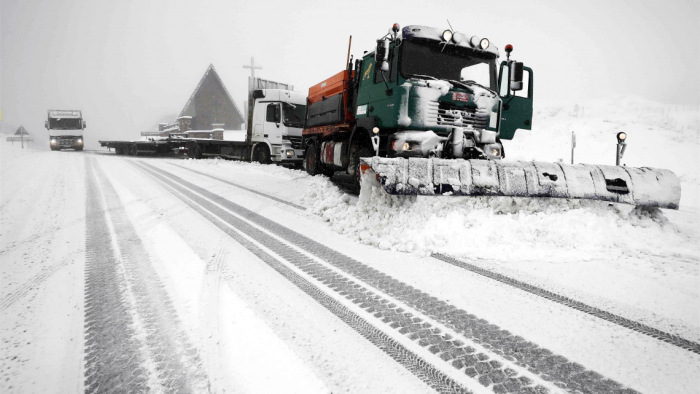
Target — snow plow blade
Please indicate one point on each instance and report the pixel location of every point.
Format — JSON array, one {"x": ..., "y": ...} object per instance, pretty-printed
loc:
[{"x": 648, "y": 187}]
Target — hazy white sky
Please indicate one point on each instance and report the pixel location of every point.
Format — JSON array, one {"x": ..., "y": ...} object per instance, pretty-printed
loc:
[{"x": 131, "y": 64}]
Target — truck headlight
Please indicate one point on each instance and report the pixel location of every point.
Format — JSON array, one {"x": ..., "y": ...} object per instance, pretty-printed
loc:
[
  {"x": 484, "y": 43},
  {"x": 447, "y": 35},
  {"x": 80, "y": 140},
  {"x": 53, "y": 141},
  {"x": 290, "y": 153}
]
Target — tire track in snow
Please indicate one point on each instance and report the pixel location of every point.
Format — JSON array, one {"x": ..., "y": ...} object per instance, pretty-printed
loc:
[
  {"x": 291, "y": 204},
  {"x": 495, "y": 358},
  {"x": 424, "y": 370},
  {"x": 133, "y": 337},
  {"x": 34, "y": 282},
  {"x": 113, "y": 359},
  {"x": 642, "y": 328},
  {"x": 580, "y": 306}
]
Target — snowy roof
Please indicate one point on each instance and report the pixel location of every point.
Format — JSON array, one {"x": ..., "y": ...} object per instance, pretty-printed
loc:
[{"x": 210, "y": 71}]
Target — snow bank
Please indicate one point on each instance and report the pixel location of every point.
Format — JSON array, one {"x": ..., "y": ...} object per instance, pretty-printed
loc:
[{"x": 496, "y": 228}]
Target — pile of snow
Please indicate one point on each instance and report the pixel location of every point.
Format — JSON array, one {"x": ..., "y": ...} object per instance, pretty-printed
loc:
[
  {"x": 505, "y": 228},
  {"x": 498, "y": 228}
]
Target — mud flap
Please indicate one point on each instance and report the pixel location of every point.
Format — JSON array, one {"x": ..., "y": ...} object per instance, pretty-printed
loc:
[{"x": 647, "y": 187}]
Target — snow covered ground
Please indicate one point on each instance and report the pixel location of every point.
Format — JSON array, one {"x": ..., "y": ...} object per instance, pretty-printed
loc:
[{"x": 253, "y": 331}]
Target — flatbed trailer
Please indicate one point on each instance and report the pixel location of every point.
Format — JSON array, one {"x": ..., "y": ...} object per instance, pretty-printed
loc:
[{"x": 157, "y": 147}]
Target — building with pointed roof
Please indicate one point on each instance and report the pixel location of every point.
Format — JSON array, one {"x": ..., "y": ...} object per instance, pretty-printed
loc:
[{"x": 211, "y": 104}]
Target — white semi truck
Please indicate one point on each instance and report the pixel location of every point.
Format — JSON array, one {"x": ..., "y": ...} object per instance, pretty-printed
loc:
[
  {"x": 66, "y": 128},
  {"x": 275, "y": 120}
]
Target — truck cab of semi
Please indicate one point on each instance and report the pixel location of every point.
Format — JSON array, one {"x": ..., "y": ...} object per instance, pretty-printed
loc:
[
  {"x": 277, "y": 124},
  {"x": 66, "y": 129}
]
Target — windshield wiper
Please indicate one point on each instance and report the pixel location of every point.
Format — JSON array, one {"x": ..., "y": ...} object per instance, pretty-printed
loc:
[
  {"x": 422, "y": 76},
  {"x": 463, "y": 84},
  {"x": 470, "y": 82}
]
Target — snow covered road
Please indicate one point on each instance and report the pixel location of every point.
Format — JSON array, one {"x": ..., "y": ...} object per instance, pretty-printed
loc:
[{"x": 163, "y": 274}]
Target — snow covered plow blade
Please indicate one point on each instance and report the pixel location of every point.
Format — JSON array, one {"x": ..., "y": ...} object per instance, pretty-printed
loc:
[{"x": 644, "y": 186}]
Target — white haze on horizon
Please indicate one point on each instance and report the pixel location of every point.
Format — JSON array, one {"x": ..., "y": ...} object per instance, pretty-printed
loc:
[{"x": 131, "y": 64}]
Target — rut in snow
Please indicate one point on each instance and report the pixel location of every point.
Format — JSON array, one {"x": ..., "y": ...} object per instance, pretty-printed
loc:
[{"x": 133, "y": 339}]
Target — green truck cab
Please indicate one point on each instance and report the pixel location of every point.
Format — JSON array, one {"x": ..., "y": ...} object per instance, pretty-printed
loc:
[
  {"x": 433, "y": 80},
  {"x": 423, "y": 92}
]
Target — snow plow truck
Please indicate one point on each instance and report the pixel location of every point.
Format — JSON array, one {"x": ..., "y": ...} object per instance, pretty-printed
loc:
[{"x": 426, "y": 112}]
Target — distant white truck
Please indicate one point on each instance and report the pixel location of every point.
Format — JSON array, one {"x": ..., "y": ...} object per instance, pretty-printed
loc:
[{"x": 65, "y": 128}]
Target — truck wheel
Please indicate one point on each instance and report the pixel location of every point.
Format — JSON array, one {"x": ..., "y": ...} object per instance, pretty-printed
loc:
[
  {"x": 261, "y": 154},
  {"x": 311, "y": 162},
  {"x": 79, "y": 148},
  {"x": 193, "y": 151},
  {"x": 355, "y": 165},
  {"x": 134, "y": 150}
]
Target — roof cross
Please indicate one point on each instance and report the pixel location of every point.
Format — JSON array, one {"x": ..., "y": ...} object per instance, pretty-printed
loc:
[{"x": 252, "y": 67}]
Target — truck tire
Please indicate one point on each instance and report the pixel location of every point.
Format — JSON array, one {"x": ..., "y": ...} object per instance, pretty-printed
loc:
[
  {"x": 313, "y": 164},
  {"x": 79, "y": 148},
  {"x": 355, "y": 165},
  {"x": 133, "y": 150},
  {"x": 193, "y": 150},
  {"x": 311, "y": 160},
  {"x": 261, "y": 154}
]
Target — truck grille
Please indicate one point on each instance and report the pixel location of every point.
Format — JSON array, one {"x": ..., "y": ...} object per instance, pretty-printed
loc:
[
  {"x": 293, "y": 140},
  {"x": 449, "y": 114}
]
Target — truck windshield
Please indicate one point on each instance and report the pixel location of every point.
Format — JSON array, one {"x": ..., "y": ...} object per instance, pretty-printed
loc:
[
  {"x": 293, "y": 114},
  {"x": 427, "y": 58},
  {"x": 64, "y": 123}
]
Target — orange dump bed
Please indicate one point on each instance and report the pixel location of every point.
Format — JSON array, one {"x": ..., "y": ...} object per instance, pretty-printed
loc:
[{"x": 336, "y": 84}]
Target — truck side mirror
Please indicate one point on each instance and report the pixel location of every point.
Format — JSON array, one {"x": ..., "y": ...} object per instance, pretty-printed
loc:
[
  {"x": 46, "y": 124},
  {"x": 516, "y": 76},
  {"x": 84, "y": 124},
  {"x": 381, "y": 54}
]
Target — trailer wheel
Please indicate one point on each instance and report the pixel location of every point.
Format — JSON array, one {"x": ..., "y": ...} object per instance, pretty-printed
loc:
[
  {"x": 193, "y": 150},
  {"x": 261, "y": 154},
  {"x": 134, "y": 150}
]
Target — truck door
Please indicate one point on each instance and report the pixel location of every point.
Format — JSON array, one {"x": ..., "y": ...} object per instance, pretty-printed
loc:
[
  {"x": 259, "y": 121},
  {"x": 273, "y": 123},
  {"x": 516, "y": 110},
  {"x": 381, "y": 99}
]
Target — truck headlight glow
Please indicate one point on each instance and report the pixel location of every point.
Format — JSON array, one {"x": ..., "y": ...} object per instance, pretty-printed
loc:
[
  {"x": 447, "y": 35},
  {"x": 484, "y": 43},
  {"x": 290, "y": 153},
  {"x": 406, "y": 146},
  {"x": 53, "y": 141},
  {"x": 495, "y": 152}
]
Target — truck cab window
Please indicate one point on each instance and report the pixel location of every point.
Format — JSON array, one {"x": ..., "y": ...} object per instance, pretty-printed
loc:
[{"x": 273, "y": 113}]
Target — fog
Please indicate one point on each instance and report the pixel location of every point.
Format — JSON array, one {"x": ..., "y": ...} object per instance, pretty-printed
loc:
[{"x": 131, "y": 64}]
